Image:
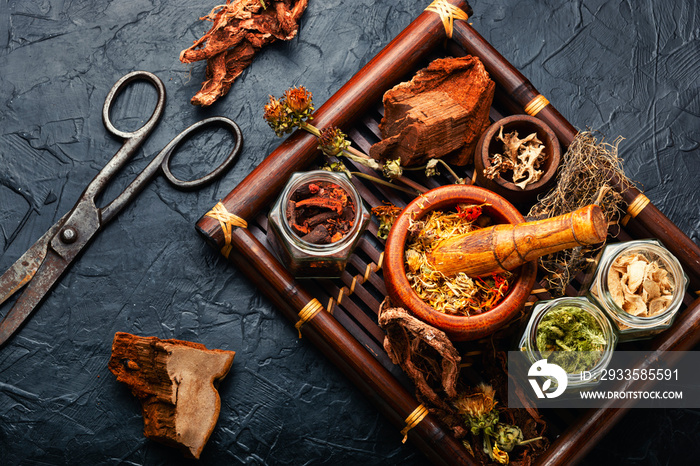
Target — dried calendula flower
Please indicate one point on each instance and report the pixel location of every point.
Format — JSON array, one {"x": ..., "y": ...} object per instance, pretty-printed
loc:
[
  {"x": 481, "y": 416},
  {"x": 277, "y": 117},
  {"x": 299, "y": 104},
  {"x": 479, "y": 412},
  {"x": 387, "y": 215},
  {"x": 458, "y": 294}
]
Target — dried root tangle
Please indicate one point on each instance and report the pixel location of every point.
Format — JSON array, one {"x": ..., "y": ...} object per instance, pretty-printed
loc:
[{"x": 586, "y": 176}]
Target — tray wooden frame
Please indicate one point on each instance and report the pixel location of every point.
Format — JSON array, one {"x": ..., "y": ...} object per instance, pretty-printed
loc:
[{"x": 347, "y": 331}]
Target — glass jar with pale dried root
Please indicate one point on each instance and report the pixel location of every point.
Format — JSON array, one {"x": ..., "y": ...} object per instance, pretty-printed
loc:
[{"x": 640, "y": 285}]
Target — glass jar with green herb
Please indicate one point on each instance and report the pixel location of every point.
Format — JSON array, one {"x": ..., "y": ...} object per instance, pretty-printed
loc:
[{"x": 574, "y": 334}]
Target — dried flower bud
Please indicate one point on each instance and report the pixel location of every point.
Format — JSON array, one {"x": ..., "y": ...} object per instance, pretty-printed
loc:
[
  {"x": 485, "y": 422},
  {"x": 336, "y": 167},
  {"x": 478, "y": 409},
  {"x": 277, "y": 117},
  {"x": 392, "y": 168},
  {"x": 431, "y": 168},
  {"x": 387, "y": 215},
  {"x": 508, "y": 436},
  {"x": 298, "y": 102},
  {"x": 332, "y": 141}
]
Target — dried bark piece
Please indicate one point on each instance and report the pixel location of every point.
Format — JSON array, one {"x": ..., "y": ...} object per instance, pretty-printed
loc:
[
  {"x": 175, "y": 382},
  {"x": 240, "y": 29},
  {"x": 423, "y": 352},
  {"x": 441, "y": 112}
]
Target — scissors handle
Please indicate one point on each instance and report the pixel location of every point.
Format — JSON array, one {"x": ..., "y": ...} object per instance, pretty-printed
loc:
[
  {"x": 132, "y": 139},
  {"x": 161, "y": 163},
  {"x": 173, "y": 145},
  {"x": 118, "y": 87}
]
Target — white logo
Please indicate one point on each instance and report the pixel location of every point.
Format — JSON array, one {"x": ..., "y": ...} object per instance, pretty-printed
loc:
[{"x": 542, "y": 368}]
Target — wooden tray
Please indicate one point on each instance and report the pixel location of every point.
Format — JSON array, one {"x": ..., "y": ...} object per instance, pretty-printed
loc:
[{"x": 345, "y": 326}]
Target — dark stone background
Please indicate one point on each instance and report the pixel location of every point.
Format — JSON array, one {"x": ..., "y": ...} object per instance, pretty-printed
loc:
[{"x": 624, "y": 68}]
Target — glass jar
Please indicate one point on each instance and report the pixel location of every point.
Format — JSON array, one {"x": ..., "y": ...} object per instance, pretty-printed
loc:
[
  {"x": 302, "y": 258},
  {"x": 575, "y": 379},
  {"x": 629, "y": 326}
]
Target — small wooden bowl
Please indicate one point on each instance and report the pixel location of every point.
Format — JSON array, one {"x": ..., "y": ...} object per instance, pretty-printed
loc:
[
  {"x": 488, "y": 144},
  {"x": 458, "y": 328}
]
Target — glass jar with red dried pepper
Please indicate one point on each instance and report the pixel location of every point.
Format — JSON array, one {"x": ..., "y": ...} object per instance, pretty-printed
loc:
[{"x": 316, "y": 223}]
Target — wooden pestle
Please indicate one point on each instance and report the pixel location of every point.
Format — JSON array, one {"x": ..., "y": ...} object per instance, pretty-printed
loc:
[{"x": 506, "y": 246}]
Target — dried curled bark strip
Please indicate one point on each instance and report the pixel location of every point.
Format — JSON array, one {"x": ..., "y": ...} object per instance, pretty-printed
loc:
[
  {"x": 423, "y": 352},
  {"x": 238, "y": 31}
]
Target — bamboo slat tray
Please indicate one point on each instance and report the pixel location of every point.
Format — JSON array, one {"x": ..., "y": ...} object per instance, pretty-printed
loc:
[{"x": 340, "y": 316}]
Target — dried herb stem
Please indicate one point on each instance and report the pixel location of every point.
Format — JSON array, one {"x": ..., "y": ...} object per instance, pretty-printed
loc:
[
  {"x": 409, "y": 182},
  {"x": 384, "y": 182},
  {"x": 457, "y": 178}
]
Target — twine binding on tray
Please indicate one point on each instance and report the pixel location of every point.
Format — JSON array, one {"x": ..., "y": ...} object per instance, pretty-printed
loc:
[
  {"x": 448, "y": 13},
  {"x": 635, "y": 207},
  {"x": 536, "y": 104},
  {"x": 307, "y": 313},
  {"x": 413, "y": 420},
  {"x": 227, "y": 221},
  {"x": 345, "y": 291}
]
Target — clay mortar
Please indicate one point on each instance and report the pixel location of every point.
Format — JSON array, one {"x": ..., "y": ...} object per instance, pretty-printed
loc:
[{"x": 458, "y": 328}]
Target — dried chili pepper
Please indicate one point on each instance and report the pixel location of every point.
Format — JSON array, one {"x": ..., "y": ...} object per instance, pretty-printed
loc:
[{"x": 469, "y": 212}]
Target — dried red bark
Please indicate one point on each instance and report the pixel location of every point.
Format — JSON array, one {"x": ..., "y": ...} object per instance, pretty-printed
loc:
[
  {"x": 321, "y": 212},
  {"x": 239, "y": 30},
  {"x": 440, "y": 113}
]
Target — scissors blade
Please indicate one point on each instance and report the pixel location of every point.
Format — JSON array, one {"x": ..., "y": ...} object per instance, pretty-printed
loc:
[
  {"x": 43, "y": 280},
  {"x": 24, "y": 269}
]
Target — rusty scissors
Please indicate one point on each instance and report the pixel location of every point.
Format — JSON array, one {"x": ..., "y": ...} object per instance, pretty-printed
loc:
[{"x": 46, "y": 261}]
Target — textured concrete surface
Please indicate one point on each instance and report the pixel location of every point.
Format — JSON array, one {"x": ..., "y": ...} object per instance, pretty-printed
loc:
[{"x": 624, "y": 68}]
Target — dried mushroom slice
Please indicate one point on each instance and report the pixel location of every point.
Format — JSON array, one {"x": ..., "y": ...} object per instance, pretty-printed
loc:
[
  {"x": 652, "y": 289},
  {"x": 635, "y": 273},
  {"x": 615, "y": 287},
  {"x": 659, "y": 305},
  {"x": 635, "y": 305},
  {"x": 628, "y": 259}
]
